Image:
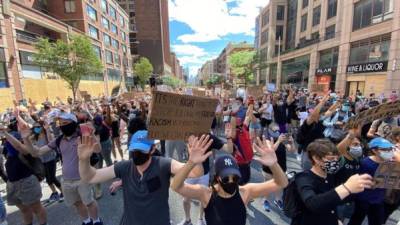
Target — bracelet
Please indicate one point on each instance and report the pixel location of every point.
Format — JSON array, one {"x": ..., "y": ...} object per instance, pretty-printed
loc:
[{"x": 347, "y": 189}]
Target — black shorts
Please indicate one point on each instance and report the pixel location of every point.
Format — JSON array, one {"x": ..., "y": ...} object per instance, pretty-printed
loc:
[{"x": 265, "y": 122}]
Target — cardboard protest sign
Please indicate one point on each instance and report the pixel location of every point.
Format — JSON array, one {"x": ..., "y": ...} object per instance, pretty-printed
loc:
[
  {"x": 318, "y": 87},
  {"x": 176, "y": 117},
  {"x": 388, "y": 176},
  {"x": 375, "y": 113},
  {"x": 199, "y": 92},
  {"x": 271, "y": 87},
  {"x": 255, "y": 91},
  {"x": 128, "y": 96}
]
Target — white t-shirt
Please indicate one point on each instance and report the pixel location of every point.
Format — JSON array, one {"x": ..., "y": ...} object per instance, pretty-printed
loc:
[{"x": 268, "y": 111}]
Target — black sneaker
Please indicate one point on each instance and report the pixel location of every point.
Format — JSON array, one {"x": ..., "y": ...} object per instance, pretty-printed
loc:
[
  {"x": 61, "y": 198},
  {"x": 91, "y": 223}
]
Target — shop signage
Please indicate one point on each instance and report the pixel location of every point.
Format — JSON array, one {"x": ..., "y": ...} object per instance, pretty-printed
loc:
[
  {"x": 367, "y": 67},
  {"x": 325, "y": 71}
]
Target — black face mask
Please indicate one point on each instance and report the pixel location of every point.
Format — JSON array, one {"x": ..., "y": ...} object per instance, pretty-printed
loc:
[
  {"x": 140, "y": 158},
  {"x": 229, "y": 188},
  {"x": 69, "y": 129}
]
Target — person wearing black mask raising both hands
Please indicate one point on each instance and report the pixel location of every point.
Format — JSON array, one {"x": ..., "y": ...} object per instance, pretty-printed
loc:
[{"x": 225, "y": 201}]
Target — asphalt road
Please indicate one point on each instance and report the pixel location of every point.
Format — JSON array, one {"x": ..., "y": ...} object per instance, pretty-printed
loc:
[{"x": 111, "y": 207}]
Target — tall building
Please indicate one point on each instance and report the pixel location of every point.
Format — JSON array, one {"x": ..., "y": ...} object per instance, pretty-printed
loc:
[
  {"x": 23, "y": 22},
  {"x": 206, "y": 71},
  {"x": 150, "y": 35},
  {"x": 175, "y": 66},
  {"x": 344, "y": 45}
]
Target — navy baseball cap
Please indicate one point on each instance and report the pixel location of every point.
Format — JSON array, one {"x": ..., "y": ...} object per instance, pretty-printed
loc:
[
  {"x": 140, "y": 142},
  {"x": 225, "y": 166}
]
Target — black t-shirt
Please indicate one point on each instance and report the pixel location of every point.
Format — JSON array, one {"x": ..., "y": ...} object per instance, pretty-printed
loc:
[
  {"x": 280, "y": 113},
  {"x": 292, "y": 112},
  {"x": 348, "y": 169},
  {"x": 15, "y": 168},
  {"x": 217, "y": 144},
  {"x": 103, "y": 132},
  {"x": 281, "y": 156},
  {"x": 145, "y": 198}
]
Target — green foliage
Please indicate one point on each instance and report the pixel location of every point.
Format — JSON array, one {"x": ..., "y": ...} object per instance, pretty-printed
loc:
[
  {"x": 70, "y": 61},
  {"x": 171, "y": 81},
  {"x": 214, "y": 79},
  {"x": 241, "y": 64},
  {"x": 143, "y": 69}
]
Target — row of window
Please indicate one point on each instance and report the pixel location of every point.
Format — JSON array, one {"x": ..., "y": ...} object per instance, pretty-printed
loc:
[
  {"x": 111, "y": 57},
  {"x": 332, "y": 10},
  {"x": 369, "y": 12},
  {"x": 94, "y": 33},
  {"x": 280, "y": 15}
]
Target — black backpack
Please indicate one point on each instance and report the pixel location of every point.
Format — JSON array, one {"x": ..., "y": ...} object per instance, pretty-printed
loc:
[
  {"x": 291, "y": 198},
  {"x": 94, "y": 158}
]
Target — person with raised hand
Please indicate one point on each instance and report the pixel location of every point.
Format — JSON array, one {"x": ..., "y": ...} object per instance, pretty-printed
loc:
[
  {"x": 225, "y": 201},
  {"x": 145, "y": 179}
]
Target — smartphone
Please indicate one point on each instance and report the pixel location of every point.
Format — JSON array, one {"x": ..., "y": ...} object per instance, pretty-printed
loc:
[{"x": 86, "y": 129}]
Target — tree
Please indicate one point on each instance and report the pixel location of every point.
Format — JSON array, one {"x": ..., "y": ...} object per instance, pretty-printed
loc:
[
  {"x": 143, "y": 70},
  {"x": 70, "y": 60},
  {"x": 214, "y": 79},
  {"x": 241, "y": 64},
  {"x": 171, "y": 81}
]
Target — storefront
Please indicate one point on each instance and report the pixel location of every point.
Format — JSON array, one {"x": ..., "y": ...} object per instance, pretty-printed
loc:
[
  {"x": 28, "y": 67},
  {"x": 295, "y": 71},
  {"x": 326, "y": 72},
  {"x": 368, "y": 65}
]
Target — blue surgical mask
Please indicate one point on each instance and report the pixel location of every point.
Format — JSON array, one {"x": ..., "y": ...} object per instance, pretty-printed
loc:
[
  {"x": 356, "y": 152},
  {"x": 386, "y": 155},
  {"x": 37, "y": 130},
  {"x": 274, "y": 134}
]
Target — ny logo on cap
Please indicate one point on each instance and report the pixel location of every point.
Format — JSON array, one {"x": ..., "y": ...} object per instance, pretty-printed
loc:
[{"x": 228, "y": 162}]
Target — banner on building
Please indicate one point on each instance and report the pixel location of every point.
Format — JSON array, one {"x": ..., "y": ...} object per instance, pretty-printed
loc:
[
  {"x": 375, "y": 113},
  {"x": 176, "y": 117},
  {"x": 387, "y": 176}
]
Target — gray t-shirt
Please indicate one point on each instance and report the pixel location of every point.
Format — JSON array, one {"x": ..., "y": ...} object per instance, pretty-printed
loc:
[
  {"x": 145, "y": 198},
  {"x": 69, "y": 154}
]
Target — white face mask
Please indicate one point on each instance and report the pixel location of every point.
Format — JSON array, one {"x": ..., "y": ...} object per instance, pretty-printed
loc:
[
  {"x": 356, "y": 152},
  {"x": 386, "y": 155}
]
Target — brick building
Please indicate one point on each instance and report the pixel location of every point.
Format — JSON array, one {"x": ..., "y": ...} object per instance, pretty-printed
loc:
[
  {"x": 150, "y": 34},
  {"x": 347, "y": 45},
  {"x": 23, "y": 22}
]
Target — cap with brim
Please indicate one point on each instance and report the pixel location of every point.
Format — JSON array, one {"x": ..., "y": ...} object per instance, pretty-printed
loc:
[
  {"x": 68, "y": 116},
  {"x": 226, "y": 166},
  {"x": 140, "y": 142},
  {"x": 381, "y": 143}
]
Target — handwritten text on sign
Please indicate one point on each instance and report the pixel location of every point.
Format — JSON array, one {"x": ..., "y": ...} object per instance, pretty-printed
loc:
[
  {"x": 379, "y": 112},
  {"x": 388, "y": 176},
  {"x": 176, "y": 117}
]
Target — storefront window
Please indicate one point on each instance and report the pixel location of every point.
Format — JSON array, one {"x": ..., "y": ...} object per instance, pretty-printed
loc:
[
  {"x": 370, "y": 50},
  {"x": 273, "y": 71},
  {"x": 295, "y": 71},
  {"x": 3, "y": 70},
  {"x": 328, "y": 58},
  {"x": 29, "y": 68}
]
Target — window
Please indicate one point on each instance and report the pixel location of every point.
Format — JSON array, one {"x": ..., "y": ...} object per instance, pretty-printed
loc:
[
  {"x": 280, "y": 12},
  {"x": 370, "y": 50},
  {"x": 305, "y": 3},
  {"x": 264, "y": 37},
  {"x": 123, "y": 35},
  {"x": 91, "y": 12},
  {"x": 97, "y": 50},
  {"x": 113, "y": 14},
  {"x": 315, "y": 36},
  {"x": 131, "y": 6},
  {"x": 132, "y": 14},
  {"x": 277, "y": 49},
  {"x": 369, "y": 12},
  {"x": 316, "y": 16},
  {"x": 264, "y": 54},
  {"x": 265, "y": 19},
  {"x": 123, "y": 48},
  {"x": 332, "y": 8},
  {"x": 330, "y": 32},
  {"x": 69, "y": 6},
  {"x": 121, "y": 21},
  {"x": 105, "y": 23},
  {"x": 115, "y": 43},
  {"x": 303, "y": 23},
  {"x": 72, "y": 23},
  {"x": 329, "y": 58},
  {"x": 116, "y": 59},
  {"x": 93, "y": 32},
  {"x": 3, "y": 75},
  {"x": 114, "y": 29},
  {"x": 104, "y": 6},
  {"x": 279, "y": 32},
  {"x": 109, "y": 57},
  {"x": 107, "y": 39}
]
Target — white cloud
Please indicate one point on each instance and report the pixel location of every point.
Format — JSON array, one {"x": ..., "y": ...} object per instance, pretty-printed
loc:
[
  {"x": 187, "y": 49},
  {"x": 212, "y": 19}
]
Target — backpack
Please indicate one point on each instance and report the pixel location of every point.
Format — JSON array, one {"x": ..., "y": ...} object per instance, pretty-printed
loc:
[
  {"x": 94, "y": 158},
  {"x": 291, "y": 198},
  {"x": 242, "y": 145}
]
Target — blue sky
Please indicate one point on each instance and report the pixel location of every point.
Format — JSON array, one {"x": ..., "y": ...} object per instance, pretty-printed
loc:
[{"x": 200, "y": 29}]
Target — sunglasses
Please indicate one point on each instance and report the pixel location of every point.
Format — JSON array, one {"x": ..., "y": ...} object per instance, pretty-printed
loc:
[{"x": 225, "y": 180}]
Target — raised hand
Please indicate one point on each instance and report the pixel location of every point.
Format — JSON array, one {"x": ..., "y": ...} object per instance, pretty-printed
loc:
[
  {"x": 267, "y": 152},
  {"x": 86, "y": 147},
  {"x": 358, "y": 183},
  {"x": 197, "y": 148},
  {"x": 228, "y": 130}
]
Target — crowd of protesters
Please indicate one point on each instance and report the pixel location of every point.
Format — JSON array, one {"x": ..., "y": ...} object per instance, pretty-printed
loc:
[{"x": 336, "y": 185}]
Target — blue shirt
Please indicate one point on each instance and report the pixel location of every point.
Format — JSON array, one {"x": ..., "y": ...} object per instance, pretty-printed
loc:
[
  {"x": 242, "y": 113},
  {"x": 372, "y": 196}
]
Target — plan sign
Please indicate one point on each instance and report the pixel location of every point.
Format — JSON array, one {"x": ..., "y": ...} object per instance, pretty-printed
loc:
[{"x": 367, "y": 67}]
